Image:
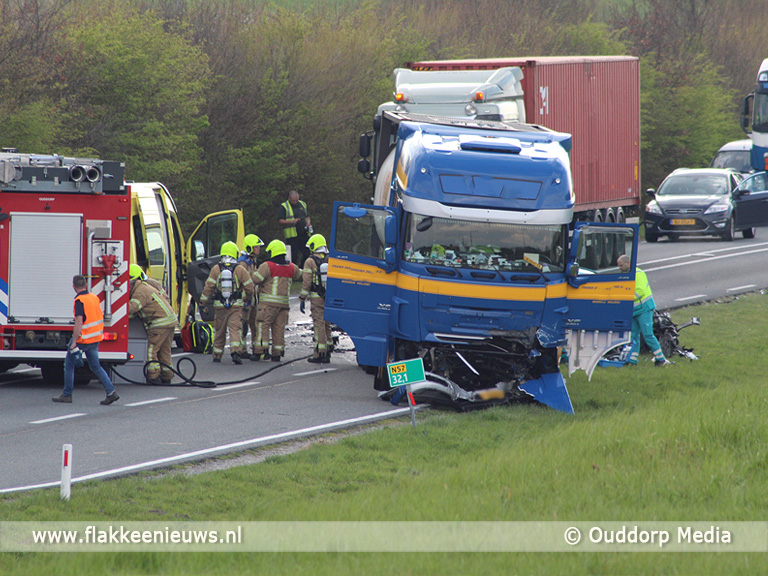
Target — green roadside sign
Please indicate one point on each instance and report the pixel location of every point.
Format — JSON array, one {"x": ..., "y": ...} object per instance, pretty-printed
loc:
[{"x": 405, "y": 372}]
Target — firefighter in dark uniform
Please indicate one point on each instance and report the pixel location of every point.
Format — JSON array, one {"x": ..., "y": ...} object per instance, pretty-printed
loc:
[
  {"x": 274, "y": 278},
  {"x": 313, "y": 287},
  {"x": 155, "y": 310},
  {"x": 227, "y": 285},
  {"x": 252, "y": 246}
]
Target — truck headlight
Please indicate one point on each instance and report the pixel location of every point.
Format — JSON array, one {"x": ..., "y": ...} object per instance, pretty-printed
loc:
[
  {"x": 716, "y": 208},
  {"x": 653, "y": 208}
]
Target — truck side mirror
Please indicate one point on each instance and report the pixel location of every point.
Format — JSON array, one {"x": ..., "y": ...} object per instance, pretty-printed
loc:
[
  {"x": 390, "y": 229},
  {"x": 389, "y": 255},
  {"x": 746, "y": 112},
  {"x": 573, "y": 271},
  {"x": 365, "y": 145},
  {"x": 364, "y": 166}
]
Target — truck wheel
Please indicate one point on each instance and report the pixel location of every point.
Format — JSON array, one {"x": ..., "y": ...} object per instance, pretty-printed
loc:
[
  {"x": 53, "y": 373},
  {"x": 748, "y": 233},
  {"x": 380, "y": 381},
  {"x": 596, "y": 249},
  {"x": 5, "y": 366},
  {"x": 618, "y": 248},
  {"x": 609, "y": 246}
]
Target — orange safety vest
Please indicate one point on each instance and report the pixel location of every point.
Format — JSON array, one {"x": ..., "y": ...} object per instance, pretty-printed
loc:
[{"x": 93, "y": 323}]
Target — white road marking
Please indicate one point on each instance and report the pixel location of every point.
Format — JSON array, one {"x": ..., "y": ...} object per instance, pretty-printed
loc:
[
  {"x": 690, "y": 298},
  {"x": 58, "y": 418},
  {"x": 314, "y": 372},
  {"x": 231, "y": 386},
  {"x": 703, "y": 261},
  {"x": 227, "y": 447},
  {"x": 737, "y": 288},
  {"x": 155, "y": 401}
]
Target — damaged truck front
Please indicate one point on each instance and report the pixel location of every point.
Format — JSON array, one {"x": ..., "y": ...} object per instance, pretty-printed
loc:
[{"x": 466, "y": 260}]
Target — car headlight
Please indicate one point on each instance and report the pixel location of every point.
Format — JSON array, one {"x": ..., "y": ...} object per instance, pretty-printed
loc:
[
  {"x": 717, "y": 208},
  {"x": 653, "y": 207}
]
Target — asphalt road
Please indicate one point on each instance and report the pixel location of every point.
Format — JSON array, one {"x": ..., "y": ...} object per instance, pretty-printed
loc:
[
  {"x": 696, "y": 270},
  {"x": 158, "y": 426}
]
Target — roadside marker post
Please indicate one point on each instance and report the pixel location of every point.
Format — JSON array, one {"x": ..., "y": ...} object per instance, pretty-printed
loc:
[
  {"x": 66, "y": 471},
  {"x": 405, "y": 373}
]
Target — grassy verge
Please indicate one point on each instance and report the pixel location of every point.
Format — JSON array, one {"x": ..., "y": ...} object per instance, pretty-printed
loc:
[{"x": 682, "y": 443}]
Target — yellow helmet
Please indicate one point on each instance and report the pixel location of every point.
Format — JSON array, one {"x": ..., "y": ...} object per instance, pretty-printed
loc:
[
  {"x": 316, "y": 241},
  {"x": 135, "y": 272},
  {"x": 276, "y": 248},
  {"x": 229, "y": 249},
  {"x": 251, "y": 241}
]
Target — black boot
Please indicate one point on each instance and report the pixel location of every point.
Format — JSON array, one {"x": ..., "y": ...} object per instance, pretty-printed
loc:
[
  {"x": 321, "y": 358},
  {"x": 236, "y": 358}
]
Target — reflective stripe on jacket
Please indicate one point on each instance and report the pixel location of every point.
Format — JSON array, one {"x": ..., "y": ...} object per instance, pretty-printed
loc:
[
  {"x": 150, "y": 305},
  {"x": 275, "y": 282},
  {"x": 642, "y": 287},
  {"x": 241, "y": 283},
  {"x": 93, "y": 323},
  {"x": 290, "y": 231}
]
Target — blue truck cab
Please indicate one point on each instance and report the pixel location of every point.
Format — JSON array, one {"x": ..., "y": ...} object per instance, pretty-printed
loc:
[{"x": 466, "y": 259}]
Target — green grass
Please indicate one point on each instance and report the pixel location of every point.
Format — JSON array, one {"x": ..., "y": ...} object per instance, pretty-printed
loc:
[{"x": 682, "y": 443}]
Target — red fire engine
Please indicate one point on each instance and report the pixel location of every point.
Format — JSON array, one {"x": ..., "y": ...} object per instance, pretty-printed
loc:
[{"x": 59, "y": 217}]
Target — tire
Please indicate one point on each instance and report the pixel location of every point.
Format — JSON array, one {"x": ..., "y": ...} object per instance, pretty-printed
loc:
[
  {"x": 674, "y": 237},
  {"x": 748, "y": 233},
  {"x": 650, "y": 237},
  {"x": 595, "y": 251},
  {"x": 730, "y": 231},
  {"x": 610, "y": 242},
  {"x": 53, "y": 374},
  {"x": 618, "y": 248},
  {"x": 5, "y": 366}
]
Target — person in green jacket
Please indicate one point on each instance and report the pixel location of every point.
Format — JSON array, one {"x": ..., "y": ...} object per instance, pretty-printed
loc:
[{"x": 642, "y": 315}]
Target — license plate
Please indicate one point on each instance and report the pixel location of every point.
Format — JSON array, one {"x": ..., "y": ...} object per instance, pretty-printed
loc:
[{"x": 683, "y": 222}]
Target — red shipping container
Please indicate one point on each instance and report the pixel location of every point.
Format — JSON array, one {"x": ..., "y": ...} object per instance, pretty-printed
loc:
[{"x": 596, "y": 99}]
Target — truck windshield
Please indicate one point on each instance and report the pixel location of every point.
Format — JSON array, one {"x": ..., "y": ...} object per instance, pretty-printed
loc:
[
  {"x": 493, "y": 246},
  {"x": 760, "y": 113}
]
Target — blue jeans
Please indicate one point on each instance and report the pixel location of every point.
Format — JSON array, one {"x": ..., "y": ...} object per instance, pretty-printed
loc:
[{"x": 91, "y": 352}]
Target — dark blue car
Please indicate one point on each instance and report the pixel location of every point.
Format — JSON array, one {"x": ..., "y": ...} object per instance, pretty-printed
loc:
[{"x": 707, "y": 201}]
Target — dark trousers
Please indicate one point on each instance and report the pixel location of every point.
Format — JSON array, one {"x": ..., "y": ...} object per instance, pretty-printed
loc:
[{"x": 299, "y": 250}]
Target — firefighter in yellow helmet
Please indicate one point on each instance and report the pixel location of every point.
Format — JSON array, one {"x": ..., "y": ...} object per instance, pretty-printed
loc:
[
  {"x": 313, "y": 287},
  {"x": 136, "y": 272},
  {"x": 274, "y": 278},
  {"x": 228, "y": 285},
  {"x": 251, "y": 247},
  {"x": 154, "y": 309}
]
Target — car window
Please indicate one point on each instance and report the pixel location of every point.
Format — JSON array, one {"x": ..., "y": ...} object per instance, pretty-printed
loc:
[
  {"x": 756, "y": 183},
  {"x": 736, "y": 159},
  {"x": 692, "y": 184}
]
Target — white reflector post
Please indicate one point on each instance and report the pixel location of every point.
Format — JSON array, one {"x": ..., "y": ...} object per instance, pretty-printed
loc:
[{"x": 66, "y": 471}]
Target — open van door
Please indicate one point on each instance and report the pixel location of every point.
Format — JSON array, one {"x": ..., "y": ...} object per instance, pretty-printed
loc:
[
  {"x": 204, "y": 251},
  {"x": 600, "y": 296}
]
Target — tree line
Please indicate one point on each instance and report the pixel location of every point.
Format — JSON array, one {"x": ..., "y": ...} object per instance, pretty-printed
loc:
[{"x": 233, "y": 103}]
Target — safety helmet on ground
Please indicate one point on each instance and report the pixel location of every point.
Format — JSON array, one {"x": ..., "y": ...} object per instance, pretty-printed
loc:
[
  {"x": 315, "y": 242},
  {"x": 276, "y": 248},
  {"x": 135, "y": 272},
  {"x": 229, "y": 249},
  {"x": 251, "y": 241}
]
